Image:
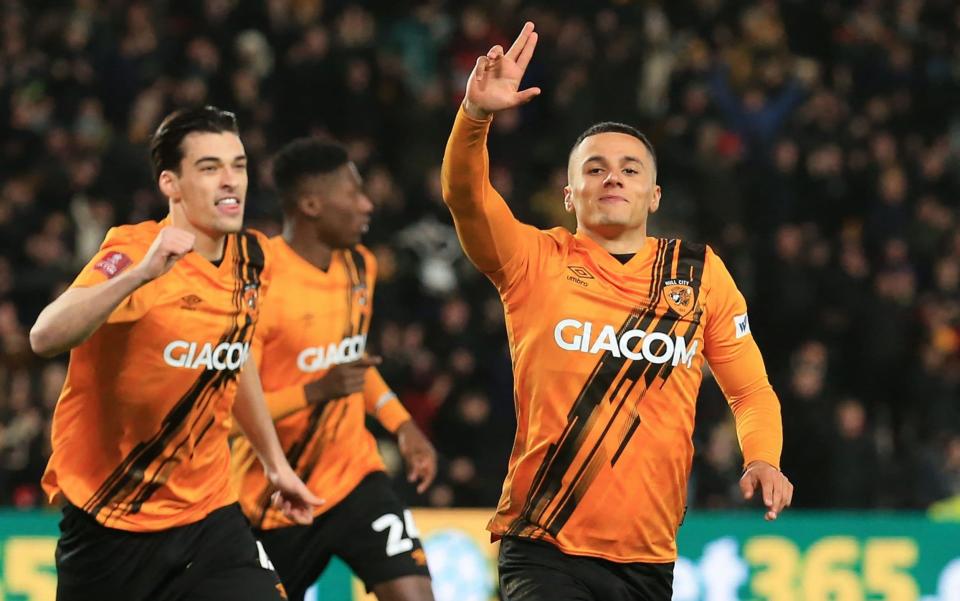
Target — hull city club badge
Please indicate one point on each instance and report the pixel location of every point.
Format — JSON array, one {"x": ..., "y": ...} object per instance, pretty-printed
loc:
[{"x": 679, "y": 296}]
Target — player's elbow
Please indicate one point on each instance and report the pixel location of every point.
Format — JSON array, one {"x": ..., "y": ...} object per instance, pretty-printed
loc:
[
  {"x": 42, "y": 341},
  {"x": 47, "y": 340},
  {"x": 448, "y": 188},
  {"x": 455, "y": 187}
]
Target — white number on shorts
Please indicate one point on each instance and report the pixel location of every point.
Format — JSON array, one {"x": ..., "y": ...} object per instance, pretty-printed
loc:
[
  {"x": 265, "y": 562},
  {"x": 396, "y": 542},
  {"x": 412, "y": 531}
]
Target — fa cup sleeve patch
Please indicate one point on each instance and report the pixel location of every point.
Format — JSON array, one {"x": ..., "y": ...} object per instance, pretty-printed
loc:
[{"x": 113, "y": 264}]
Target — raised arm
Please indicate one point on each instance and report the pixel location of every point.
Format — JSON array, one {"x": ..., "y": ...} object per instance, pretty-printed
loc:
[
  {"x": 488, "y": 231},
  {"x": 79, "y": 311}
]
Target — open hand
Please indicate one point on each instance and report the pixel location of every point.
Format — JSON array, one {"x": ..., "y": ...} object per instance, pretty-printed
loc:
[{"x": 494, "y": 84}]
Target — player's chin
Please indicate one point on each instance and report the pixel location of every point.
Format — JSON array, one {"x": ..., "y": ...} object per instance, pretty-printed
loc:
[
  {"x": 229, "y": 224},
  {"x": 612, "y": 217},
  {"x": 351, "y": 239}
]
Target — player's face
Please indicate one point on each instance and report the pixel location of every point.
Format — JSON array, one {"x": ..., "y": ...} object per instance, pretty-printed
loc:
[
  {"x": 612, "y": 184},
  {"x": 211, "y": 188},
  {"x": 346, "y": 211}
]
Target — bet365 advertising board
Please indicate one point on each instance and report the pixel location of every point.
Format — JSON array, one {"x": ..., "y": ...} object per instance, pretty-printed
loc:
[{"x": 723, "y": 557}]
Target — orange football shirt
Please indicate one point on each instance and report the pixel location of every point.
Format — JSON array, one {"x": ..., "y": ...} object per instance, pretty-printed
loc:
[
  {"x": 318, "y": 319},
  {"x": 140, "y": 428},
  {"x": 607, "y": 361}
]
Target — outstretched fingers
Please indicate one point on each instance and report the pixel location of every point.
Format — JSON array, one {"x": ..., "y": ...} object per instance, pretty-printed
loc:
[
  {"x": 520, "y": 42},
  {"x": 527, "y": 53}
]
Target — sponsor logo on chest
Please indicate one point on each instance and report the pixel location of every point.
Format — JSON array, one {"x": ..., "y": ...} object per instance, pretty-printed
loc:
[
  {"x": 316, "y": 358},
  {"x": 655, "y": 347},
  {"x": 194, "y": 355}
]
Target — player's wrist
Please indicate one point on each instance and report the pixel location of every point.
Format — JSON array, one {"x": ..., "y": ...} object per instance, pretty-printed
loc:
[
  {"x": 277, "y": 471},
  {"x": 758, "y": 463},
  {"x": 138, "y": 276},
  {"x": 472, "y": 110}
]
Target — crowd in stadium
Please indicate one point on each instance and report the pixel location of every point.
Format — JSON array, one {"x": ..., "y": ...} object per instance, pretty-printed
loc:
[{"x": 814, "y": 145}]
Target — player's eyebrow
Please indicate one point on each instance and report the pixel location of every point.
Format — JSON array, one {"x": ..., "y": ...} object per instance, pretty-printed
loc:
[
  {"x": 626, "y": 159},
  {"x": 239, "y": 157}
]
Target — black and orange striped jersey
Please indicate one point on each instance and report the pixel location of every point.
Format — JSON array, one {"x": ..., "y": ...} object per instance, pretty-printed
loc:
[
  {"x": 140, "y": 429},
  {"x": 607, "y": 372},
  {"x": 318, "y": 320}
]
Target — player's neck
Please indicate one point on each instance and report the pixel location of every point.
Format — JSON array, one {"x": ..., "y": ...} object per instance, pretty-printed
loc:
[
  {"x": 208, "y": 246},
  {"x": 620, "y": 242},
  {"x": 308, "y": 246}
]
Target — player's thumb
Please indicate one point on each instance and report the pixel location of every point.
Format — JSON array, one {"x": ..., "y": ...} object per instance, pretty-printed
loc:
[
  {"x": 527, "y": 95},
  {"x": 748, "y": 483},
  {"x": 308, "y": 497},
  {"x": 369, "y": 361}
]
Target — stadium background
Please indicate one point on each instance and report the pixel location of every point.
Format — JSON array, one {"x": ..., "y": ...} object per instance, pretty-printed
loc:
[{"x": 815, "y": 145}]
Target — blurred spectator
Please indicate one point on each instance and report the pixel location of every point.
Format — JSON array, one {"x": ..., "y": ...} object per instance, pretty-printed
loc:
[{"x": 854, "y": 461}]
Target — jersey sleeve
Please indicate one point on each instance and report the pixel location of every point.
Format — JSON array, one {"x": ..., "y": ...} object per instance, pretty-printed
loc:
[
  {"x": 494, "y": 240},
  {"x": 120, "y": 251},
  {"x": 737, "y": 364},
  {"x": 382, "y": 403}
]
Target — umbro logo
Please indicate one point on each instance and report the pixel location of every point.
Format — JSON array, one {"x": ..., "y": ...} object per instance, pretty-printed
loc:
[
  {"x": 580, "y": 275},
  {"x": 190, "y": 302}
]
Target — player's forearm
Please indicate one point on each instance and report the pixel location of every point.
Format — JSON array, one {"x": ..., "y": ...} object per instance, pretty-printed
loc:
[
  {"x": 78, "y": 312},
  {"x": 756, "y": 409},
  {"x": 743, "y": 378},
  {"x": 464, "y": 174},
  {"x": 253, "y": 418},
  {"x": 486, "y": 227},
  {"x": 382, "y": 403},
  {"x": 759, "y": 426}
]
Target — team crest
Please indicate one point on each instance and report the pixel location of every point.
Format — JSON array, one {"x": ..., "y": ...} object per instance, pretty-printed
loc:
[
  {"x": 360, "y": 290},
  {"x": 250, "y": 298},
  {"x": 679, "y": 296}
]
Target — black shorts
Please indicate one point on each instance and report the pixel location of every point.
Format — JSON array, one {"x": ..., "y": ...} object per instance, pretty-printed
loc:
[
  {"x": 370, "y": 529},
  {"x": 216, "y": 558},
  {"x": 533, "y": 570}
]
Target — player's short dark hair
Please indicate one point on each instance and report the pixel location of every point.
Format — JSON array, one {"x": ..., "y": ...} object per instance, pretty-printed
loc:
[
  {"x": 166, "y": 146},
  {"x": 302, "y": 158},
  {"x": 619, "y": 128}
]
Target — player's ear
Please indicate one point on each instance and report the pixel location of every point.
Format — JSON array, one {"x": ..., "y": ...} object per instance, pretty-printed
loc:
[
  {"x": 310, "y": 205},
  {"x": 169, "y": 184},
  {"x": 568, "y": 200},
  {"x": 655, "y": 201}
]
